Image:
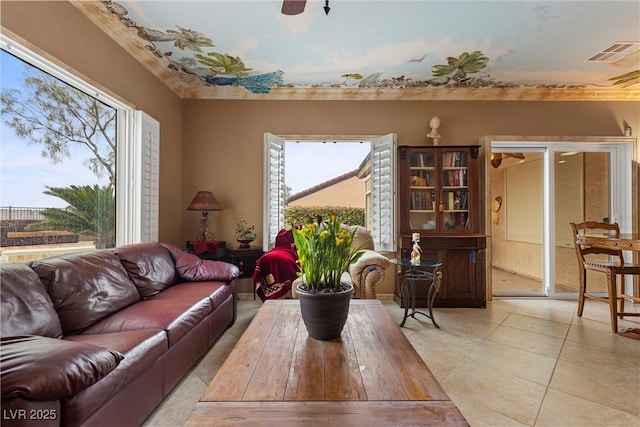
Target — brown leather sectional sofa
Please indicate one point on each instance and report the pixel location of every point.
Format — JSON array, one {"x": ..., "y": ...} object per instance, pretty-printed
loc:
[{"x": 100, "y": 338}]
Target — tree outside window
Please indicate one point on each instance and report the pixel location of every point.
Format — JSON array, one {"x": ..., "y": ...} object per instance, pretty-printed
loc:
[{"x": 44, "y": 118}]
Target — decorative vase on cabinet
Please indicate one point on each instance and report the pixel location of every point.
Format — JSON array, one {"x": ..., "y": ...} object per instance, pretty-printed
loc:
[{"x": 438, "y": 198}]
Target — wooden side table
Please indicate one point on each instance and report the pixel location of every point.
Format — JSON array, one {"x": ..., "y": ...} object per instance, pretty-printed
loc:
[
  {"x": 410, "y": 273},
  {"x": 245, "y": 259}
]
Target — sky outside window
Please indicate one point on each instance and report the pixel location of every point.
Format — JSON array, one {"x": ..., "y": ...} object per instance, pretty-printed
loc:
[
  {"x": 24, "y": 172},
  {"x": 308, "y": 164}
]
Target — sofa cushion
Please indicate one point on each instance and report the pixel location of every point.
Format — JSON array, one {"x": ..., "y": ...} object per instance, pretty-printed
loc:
[
  {"x": 150, "y": 267},
  {"x": 86, "y": 287},
  {"x": 42, "y": 368},
  {"x": 25, "y": 306},
  {"x": 142, "y": 350},
  {"x": 191, "y": 268},
  {"x": 177, "y": 316},
  {"x": 217, "y": 292}
]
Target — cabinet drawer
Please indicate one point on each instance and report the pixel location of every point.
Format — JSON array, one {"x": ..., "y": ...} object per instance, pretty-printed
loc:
[{"x": 246, "y": 265}]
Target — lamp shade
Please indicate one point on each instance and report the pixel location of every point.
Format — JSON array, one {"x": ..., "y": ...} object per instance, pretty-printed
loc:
[{"x": 204, "y": 201}]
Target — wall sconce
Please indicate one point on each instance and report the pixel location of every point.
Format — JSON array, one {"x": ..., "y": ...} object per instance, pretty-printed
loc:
[
  {"x": 204, "y": 201},
  {"x": 434, "y": 135}
]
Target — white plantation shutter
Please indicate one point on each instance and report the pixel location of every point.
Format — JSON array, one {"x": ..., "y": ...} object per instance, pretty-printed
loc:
[
  {"x": 383, "y": 192},
  {"x": 149, "y": 139},
  {"x": 273, "y": 189},
  {"x": 138, "y": 163}
]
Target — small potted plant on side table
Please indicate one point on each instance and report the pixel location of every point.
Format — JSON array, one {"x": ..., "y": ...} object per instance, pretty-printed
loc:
[{"x": 245, "y": 234}]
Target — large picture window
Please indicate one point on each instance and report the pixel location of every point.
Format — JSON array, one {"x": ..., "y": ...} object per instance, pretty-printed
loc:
[{"x": 79, "y": 167}]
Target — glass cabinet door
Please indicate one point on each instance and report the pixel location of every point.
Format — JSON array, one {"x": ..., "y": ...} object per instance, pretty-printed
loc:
[
  {"x": 438, "y": 190},
  {"x": 422, "y": 190},
  {"x": 454, "y": 197}
]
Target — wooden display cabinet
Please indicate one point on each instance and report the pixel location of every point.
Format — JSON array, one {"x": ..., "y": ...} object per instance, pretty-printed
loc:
[{"x": 439, "y": 198}]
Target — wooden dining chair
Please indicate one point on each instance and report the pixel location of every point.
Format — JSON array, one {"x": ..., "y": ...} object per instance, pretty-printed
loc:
[{"x": 611, "y": 267}]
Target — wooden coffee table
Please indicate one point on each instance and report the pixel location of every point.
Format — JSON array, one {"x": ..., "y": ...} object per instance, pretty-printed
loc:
[{"x": 277, "y": 375}]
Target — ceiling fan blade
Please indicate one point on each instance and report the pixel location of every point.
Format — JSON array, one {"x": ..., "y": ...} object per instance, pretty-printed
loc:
[{"x": 293, "y": 7}]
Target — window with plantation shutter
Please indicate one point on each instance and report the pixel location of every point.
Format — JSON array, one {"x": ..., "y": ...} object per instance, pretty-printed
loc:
[
  {"x": 273, "y": 210},
  {"x": 383, "y": 192},
  {"x": 148, "y": 141}
]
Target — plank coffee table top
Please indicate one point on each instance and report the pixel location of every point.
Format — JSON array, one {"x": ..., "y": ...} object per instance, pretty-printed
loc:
[{"x": 372, "y": 375}]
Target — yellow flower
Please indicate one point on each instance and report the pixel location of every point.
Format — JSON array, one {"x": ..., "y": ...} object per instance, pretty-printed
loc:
[{"x": 324, "y": 252}]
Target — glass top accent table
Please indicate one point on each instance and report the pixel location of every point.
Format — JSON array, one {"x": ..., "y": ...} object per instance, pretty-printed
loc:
[{"x": 410, "y": 273}]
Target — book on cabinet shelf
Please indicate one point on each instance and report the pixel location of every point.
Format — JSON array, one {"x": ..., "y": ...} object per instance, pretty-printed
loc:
[{"x": 451, "y": 159}]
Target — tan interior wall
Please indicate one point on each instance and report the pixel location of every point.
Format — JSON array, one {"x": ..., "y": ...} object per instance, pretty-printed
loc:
[{"x": 57, "y": 29}]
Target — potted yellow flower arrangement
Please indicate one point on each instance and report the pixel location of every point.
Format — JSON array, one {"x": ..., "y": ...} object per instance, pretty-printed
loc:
[{"x": 324, "y": 253}]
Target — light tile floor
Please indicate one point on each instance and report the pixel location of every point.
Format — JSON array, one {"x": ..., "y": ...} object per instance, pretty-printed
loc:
[{"x": 520, "y": 362}]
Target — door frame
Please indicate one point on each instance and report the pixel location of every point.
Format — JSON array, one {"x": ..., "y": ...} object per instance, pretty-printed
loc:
[{"x": 631, "y": 216}]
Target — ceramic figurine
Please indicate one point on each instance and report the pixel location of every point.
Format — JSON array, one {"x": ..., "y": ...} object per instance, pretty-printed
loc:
[{"x": 415, "y": 252}]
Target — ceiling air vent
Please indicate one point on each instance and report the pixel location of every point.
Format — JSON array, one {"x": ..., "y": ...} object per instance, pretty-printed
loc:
[{"x": 615, "y": 52}]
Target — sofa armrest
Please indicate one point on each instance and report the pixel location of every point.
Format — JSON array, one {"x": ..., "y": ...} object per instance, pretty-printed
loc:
[
  {"x": 368, "y": 272},
  {"x": 42, "y": 368},
  {"x": 191, "y": 268},
  {"x": 368, "y": 259}
]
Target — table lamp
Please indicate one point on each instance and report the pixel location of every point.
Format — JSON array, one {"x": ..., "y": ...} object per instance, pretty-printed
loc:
[{"x": 204, "y": 201}]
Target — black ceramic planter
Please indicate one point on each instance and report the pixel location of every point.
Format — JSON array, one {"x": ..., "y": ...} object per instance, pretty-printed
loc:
[{"x": 324, "y": 314}]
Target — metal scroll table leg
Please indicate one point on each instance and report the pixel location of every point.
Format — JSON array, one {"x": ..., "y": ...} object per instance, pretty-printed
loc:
[
  {"x": 405, "y": 298},
  {"x": 433, "y": 291},
  {"x": 408, "y": 291}
]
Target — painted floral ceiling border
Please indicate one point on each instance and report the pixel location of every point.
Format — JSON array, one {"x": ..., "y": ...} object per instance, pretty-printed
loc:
[{"x": 207, "y": 74}]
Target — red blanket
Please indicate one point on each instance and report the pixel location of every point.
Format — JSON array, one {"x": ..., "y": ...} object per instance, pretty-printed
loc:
[
  {"x": 202, "y": 247},
  {"x": 277, "y": 269}
]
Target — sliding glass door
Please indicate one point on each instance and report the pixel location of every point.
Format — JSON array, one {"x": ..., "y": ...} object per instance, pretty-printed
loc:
[
  {"x": 517, "y": 229},
  {"x": 537, "y": 189}
]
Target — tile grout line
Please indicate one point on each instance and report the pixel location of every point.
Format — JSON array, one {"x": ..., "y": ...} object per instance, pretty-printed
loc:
[{"x": 555, "y": 365}]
